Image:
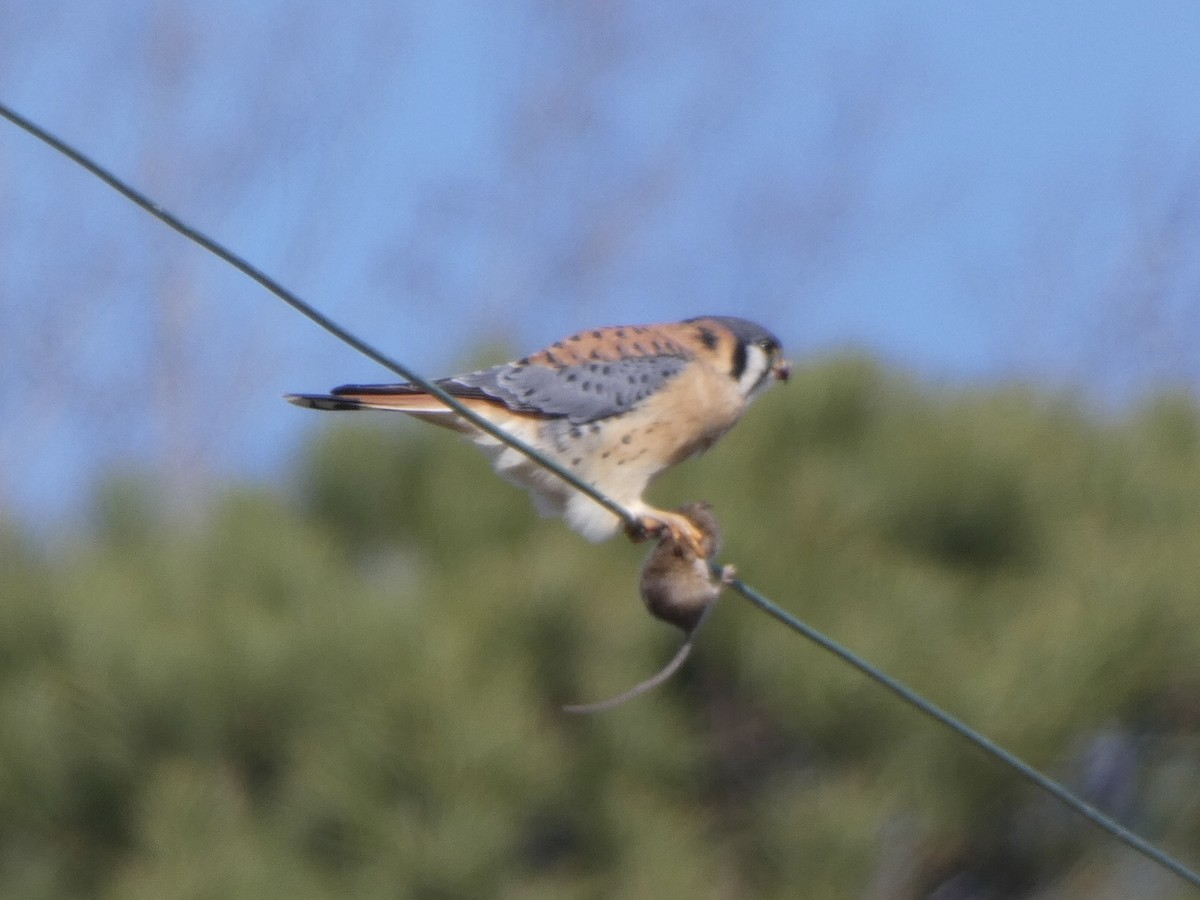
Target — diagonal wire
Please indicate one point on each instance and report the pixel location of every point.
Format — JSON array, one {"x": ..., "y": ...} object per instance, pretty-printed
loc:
[
  {"x": 325, "y": 322},
  {"x": 905, "y": 693},
  {"x": 1022, "y": 768}
]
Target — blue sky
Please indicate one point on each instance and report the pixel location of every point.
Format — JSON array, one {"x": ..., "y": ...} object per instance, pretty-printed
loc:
[{"x": 970, "y": 191}]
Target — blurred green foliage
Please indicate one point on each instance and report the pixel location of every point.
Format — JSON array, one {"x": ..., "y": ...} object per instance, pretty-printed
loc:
[{"x": 352, "y": 688}]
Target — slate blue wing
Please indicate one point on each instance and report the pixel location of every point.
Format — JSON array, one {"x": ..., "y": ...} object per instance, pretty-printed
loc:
[{"x": 580, "y": 393}]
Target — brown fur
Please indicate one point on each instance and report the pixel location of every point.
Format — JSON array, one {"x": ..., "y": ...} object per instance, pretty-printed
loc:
[{"x": 676, "y": 583}]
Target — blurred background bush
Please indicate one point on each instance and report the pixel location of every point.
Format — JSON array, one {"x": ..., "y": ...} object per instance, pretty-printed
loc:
[{"x": 351, "y": 687}]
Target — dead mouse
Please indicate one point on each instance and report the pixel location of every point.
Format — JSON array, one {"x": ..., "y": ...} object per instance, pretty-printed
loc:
[{"x": 677, "y": 586}]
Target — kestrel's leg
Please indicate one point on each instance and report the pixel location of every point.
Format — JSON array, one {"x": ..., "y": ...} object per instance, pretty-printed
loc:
[{"x": 653, "y": 522}]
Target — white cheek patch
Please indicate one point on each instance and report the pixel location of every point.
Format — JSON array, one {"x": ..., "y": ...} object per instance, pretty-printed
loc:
[{"x": 757, "y": 364}]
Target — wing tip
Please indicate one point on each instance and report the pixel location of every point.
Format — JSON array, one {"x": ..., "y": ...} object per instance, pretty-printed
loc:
[
  {"x": 322, "y": 401},
  {"x": 375, "y": 389}
]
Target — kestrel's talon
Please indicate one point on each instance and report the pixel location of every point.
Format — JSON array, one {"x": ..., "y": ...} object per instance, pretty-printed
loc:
[
  {"x": 688, "y": 535},
  {"x": 643, "y": 529},
  {"x": 729, "y": 573},
  {"x": 681, "y": 531}
]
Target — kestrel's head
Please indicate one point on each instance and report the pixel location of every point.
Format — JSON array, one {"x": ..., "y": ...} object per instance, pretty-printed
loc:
[{"x": 748, "y": 353}]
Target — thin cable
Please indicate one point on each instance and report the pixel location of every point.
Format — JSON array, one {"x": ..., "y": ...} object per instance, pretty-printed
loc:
[
  {"x": 910, "y": 696},
  {"x": 328, "y": 324},
  {"x": 1022, "y": 768}
]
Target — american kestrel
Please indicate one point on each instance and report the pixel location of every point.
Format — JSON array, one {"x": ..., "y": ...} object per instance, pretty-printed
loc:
[{"x": 617, "y": 406}]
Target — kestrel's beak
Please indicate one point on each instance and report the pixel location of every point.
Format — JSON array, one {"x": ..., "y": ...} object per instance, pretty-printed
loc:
[{"x": 782, "y": 370}]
